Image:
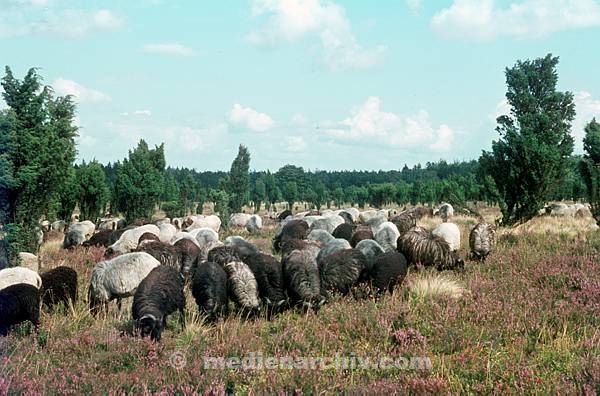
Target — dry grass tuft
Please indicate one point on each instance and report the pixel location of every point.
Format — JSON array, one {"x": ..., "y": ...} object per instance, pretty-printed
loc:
[{"x": 435, "y": 285}]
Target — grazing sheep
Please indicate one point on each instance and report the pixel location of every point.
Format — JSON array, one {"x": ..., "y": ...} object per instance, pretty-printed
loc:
[
  {"x": 242, "y": 247},
  {"x": 223, "y": 255},
  {"x": 284, "y": 215},
  {"x": 389, "y": 270},
  {"x": 108, "y": 224},
  {"x": 355, "y": 213},
  {"x": 19, "y": 303},
  {"x": 347, "y": 217},
  {"x": 294, "y": 229},
  {"x": 15, "y": 275},
  {"x": 129, "y": 239},
  {"x": 450, "y": 233},
  {"x": 166, "y": 232},
  {"x": 302, "y": 280},
  {"x": 184, "y": 235},
  {"x": 59, "y": 285},
  {"x": 199, "y": 221},
  {"x": 333, "y": 246},
  {"x": 166, "y": 254},
  {"x": 367, "y": 215},
  {"x": 341, "y": 270},
  {"x": 242, "y": 286},
  {"x": 204, "y": 236},
  {"x": 321, "y": 236},
  {"x": 189, "y": 252},
  {"x": 445, "y": 211},
  {"x": 482, "y": 240},
  {"x": 405, "y": 221},
  {"x": 310, "y": 220},
  {"x": 387, "y": 235},
  {"x": 312, "y": 247},
  {"x": 118, "y": 278},
  {"x": 269, "y": 277},
  {"x": 158, "y": 295},
  {"x": 343, "y": 231},
  {"x": 209, "y": 288},
  {"x": 254, "y": 224},
  {"x": 204, "y": 250},
  {"x": 419, "y": 246},
  {"x": 115, "y": 235},
  {"x": 375, "y": 222},
  {"x": 360, "y": 234},
  {"x": 165, "y": 220},
  {"x": 58, "y": 225},
  {"x": 101, "y": 238},
  {"x": 147, "y": 237},
  {"x": 327, "y": 223},
  {"x": 29, "y": 260},
  {"x": 239, "y": 219},
  {"x": 371, "y": 250},
  {"x": 78, "y": 233}
]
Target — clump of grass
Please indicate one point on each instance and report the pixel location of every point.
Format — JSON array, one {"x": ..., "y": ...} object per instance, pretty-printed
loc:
[{"x": 435, "y": 285}]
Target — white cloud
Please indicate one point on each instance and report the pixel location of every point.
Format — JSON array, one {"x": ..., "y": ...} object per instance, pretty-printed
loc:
[
  {"x": 587, "y": 108},
  {"x": 79, "y": 92},
  {"x": 291, "y": 20},
  {"x": 23, "y": 17},
  {"x": 299, "y": 120},
  {"x": 248, "y": 118},
  {"x": 168, "y": 49},
  {"x": 414, "y": 5},
  {"x": 486, "y": 20},
  {"x": 295, "y": 144},
  {"x": 369, "y": 124},
  {"x": 502, "y": 108}
]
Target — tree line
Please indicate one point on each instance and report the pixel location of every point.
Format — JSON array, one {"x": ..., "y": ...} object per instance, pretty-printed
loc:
[{"x": 530, "y": 163}]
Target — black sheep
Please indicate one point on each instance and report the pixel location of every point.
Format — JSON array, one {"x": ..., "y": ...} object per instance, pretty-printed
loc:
[
  {"x": 360, "y": 234},
  {"x": 188, "y": 251},
  {"x": 242, "y": 247},
  {"x": 101, "y": 238},
  {"x": 405, "y": 221},
  {"x": 284, "y": 215},
  {"x": 166, "y": 254},
  {"x": 268, "y": 273},
  {"x": 388, "y": 271},
  {"x": 301, "y": 278},
  {"x": 148, "y": 236},
  {"x": 294, "y": 229},
  {"x": 19, "y": 303},
  {"x": 59, "y": 285},
  {"x": 343, "y": 231},
  {"x": 209, "y": 288},
  {"x": 158, "y": 295},
  {"x": 223, "y": 255},
  {"x": 347, "y": 217},
  {"x": 341, "y": 270}
]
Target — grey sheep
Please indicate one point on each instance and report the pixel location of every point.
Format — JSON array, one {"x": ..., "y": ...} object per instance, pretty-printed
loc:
[
  {"x": 341, "y": 270},
  {"x": 242, "y": 247},
  {"x": 387, "y": 236},
  {"x": 302, "y": 280},
  {"x": 405, "y": 221},
  {"x": 166, "y": 254},
  {"x": 420, "y": 246},
  {"x": 388, "y": 271},
  {"x": 118, "y": 278},
  {"x": 482, "y": 241},
  {"x": 59, "y": 285},
  {"x": 223, "y": 255},
  {"x": 332, "y": 247},
  {"x": 19, "y": 303},
  {"x": 321, "y": 236},
  {"x": 209, "y": 288},
  {"x": 158, "y": 295},
  {"x": 242, "y": 287},
  {"x": 371, "y": 250},
  {"x": 188, "y": 251}
]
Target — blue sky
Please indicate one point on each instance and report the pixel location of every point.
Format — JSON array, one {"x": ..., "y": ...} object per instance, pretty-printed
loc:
[{"x": 320, "y": 84}]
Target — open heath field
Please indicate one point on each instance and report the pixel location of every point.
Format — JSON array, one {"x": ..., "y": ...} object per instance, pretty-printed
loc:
[{"x": 525, "y": 321}]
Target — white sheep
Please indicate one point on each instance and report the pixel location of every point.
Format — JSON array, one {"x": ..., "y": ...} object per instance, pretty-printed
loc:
[
  {"x": 254, "y": 224},
  {"x": 29, "y": 260},
  {"x": 239, "y": 219},
  {"x": 166, "y": 232},
  {"x": 199, "y": 221},
  {"x": 129, "y": 239},
  {"x": 14, "y": 275},
  {"x": 387, "y": 235},
  {"x": 450, "y": 233},
  {"x": 118, "y": 278}
]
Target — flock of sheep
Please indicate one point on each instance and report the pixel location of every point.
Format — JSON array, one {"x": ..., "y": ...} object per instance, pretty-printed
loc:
[{"x": 322, "y": 254}]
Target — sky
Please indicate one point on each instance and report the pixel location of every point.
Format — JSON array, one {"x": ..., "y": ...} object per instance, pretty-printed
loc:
[{"x": 326, "y": 85}]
